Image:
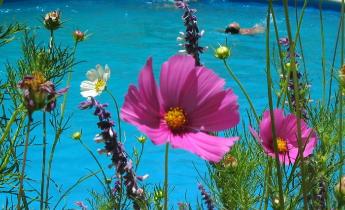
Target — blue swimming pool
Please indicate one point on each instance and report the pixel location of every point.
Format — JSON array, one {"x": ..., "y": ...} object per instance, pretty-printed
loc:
[{"x": 124, "y": 35}]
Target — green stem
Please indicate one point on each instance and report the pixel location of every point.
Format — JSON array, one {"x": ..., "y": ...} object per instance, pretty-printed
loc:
[
  {"x": 243, "y": 90},
  {"x": 98, "y": 163},
  {"x": 58, "y": 133},
  {"x": 269, "y": 90},
  {"x": 21, "y": 178},
  {"x": 68, "y": 83},
  {"x": 296, "y": 93},
  {"x": 44, "y": 152},
  {"x": 284, "y": 92},
  {"x": 139, "y": 157},
  {"x": 341, "y": 99},
  {"x": 117, "y": 113},
  {"x": 166, "y": 177},
  {"x": 323, "y": 56},
  {"x": 267, "y": 190},
  {"x": 10, "y": 122},
  {"x": 51, "y": 41},
  {"x": 12, "y": 145},
  {"x": 333, "y": 63}
]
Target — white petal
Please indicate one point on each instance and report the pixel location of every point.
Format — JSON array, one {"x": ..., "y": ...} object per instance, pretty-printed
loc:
[
  {"x": 100, "y": 71},
  {"x": 106, "y": 74},
  {"x": 98, "y": 138},
  {"x": 92, "y": 75},
  {"x": 87, "y": 85},
  {"x": 89, "y": 93}
]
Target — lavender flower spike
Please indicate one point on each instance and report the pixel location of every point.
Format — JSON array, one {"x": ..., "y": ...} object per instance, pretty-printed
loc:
[
  {"x": 115, "y": 149},
  {"x": 206, "y": 197},
  {"x": 191, "y": 37}
]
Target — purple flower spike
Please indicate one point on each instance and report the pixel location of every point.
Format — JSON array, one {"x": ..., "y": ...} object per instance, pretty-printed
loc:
[
  {"x": 284, "y": 41},
  {"x": 117, "y": 151},
  {"x": 206, "y": 197},
  {"x": 81, "y": 205},
  {"x": 191, "y": 37}
]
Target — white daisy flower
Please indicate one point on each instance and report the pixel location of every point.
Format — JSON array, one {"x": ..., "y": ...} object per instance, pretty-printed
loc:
[{"x": 96, "y": 83}]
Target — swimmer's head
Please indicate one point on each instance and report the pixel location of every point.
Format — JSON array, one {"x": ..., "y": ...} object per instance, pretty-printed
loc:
[{"x": 233, "y": 28}]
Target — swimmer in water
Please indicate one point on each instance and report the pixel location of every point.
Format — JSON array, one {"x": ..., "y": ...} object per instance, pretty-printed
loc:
[{"x": 234, "y": 28}]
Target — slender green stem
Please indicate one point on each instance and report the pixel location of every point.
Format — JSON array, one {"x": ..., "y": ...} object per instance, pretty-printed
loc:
[
  {"x": 12, "y": 145},
  {"x": 117, "y": 113},
  {"x": 140, "y": 155},
  {"x": 80, "y": 180},
  {"x": 323, "y": 60},
  {"x": 270, "y": 101},
  {"x": 98, "y": 163},
  {"x": 51, "y": 41},
  {"x": 341, "y": 99},
  {"x": 10, "y": 122},
  {"x": 243, "y": 90},
  {"x": 284, "y": 92},
  {"x": 68, "y": 83},
  {"x": 44, "y": 152},
  {"x": 58, "y": 134},
  {"x": 166, "y": 177},
  {"x": 296, "y": 93},
  {"x": 333, "y": 63},
  {"x": 267, "y": 190},
  {"x": 21, "y": 178}
]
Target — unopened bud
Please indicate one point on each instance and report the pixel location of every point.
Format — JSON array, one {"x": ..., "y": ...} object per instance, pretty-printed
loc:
[{"x": 222, "y": 52}]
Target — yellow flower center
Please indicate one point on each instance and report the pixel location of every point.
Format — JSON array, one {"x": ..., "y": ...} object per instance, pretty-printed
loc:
[
  {"x": 99, "y": 86},
  {"x": 175, "y": 118},
  {"x": 282, "y": 145},
  {"x": 37, "y": 80}
]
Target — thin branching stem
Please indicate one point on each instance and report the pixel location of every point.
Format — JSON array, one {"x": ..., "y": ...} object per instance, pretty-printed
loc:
[
  {"x": 333, "y": 63},
  {"x": 270, "y": 101},
  {"x": 44, "y": 152},
  {"x": 297, "y": 96},
  {"x": 21, "y": 178},
  {"x": 323, "y": 55},
  {"x": 10, "y": 122},
  {"x": 99, "y": 165},
  {"x": 117, "y": 113},
  {"x": 341, "y": 99},
  {"x": 166, "y": 162},
  {"x": 243, "y": 91},
  {"x": 58, "y": 133}
]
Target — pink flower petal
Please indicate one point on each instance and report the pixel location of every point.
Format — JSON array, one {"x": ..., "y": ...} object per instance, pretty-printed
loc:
[
  {"x": 158, "y": 136},
  {"x": 286, "y": 128},
  {"x": 142, "y": 106},
  {"x": 208, "y": 147},
  {"x": 309, "y": 141},
  {"x": 134, "y": 111},
  {"x": 255, "y": 134},
  {"x": 178, "y": 82},
  {"x": 147, "y": 88},
  {"x": 266, "y": 127},
  {"x": 218, "y": 112},
  {"x": 209, "y": 84},
  {"x": 291, "y": 156}
]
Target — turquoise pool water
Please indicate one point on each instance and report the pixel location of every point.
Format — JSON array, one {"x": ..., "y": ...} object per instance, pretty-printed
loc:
[{"x": 124, "y": 35}]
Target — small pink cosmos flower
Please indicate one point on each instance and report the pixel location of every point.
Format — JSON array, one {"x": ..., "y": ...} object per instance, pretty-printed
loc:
[
  {"x": 286, "y": 132},
  {"x": 189, "y": 102}
]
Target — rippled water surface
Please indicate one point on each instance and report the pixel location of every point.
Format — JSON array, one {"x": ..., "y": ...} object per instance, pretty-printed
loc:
[{"x": 124, "y": 35}]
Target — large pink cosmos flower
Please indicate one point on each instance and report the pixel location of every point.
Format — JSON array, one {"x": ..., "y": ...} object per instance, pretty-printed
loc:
[
  {"x": 286, "y": 132},
  {"x": 189, "y": 102}
]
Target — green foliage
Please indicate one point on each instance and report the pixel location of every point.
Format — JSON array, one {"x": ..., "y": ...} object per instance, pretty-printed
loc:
[
  {"x": 239, "y": 176},
  {"x": 7, "y": 32},
  {"x": 101, "y": 201}
]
